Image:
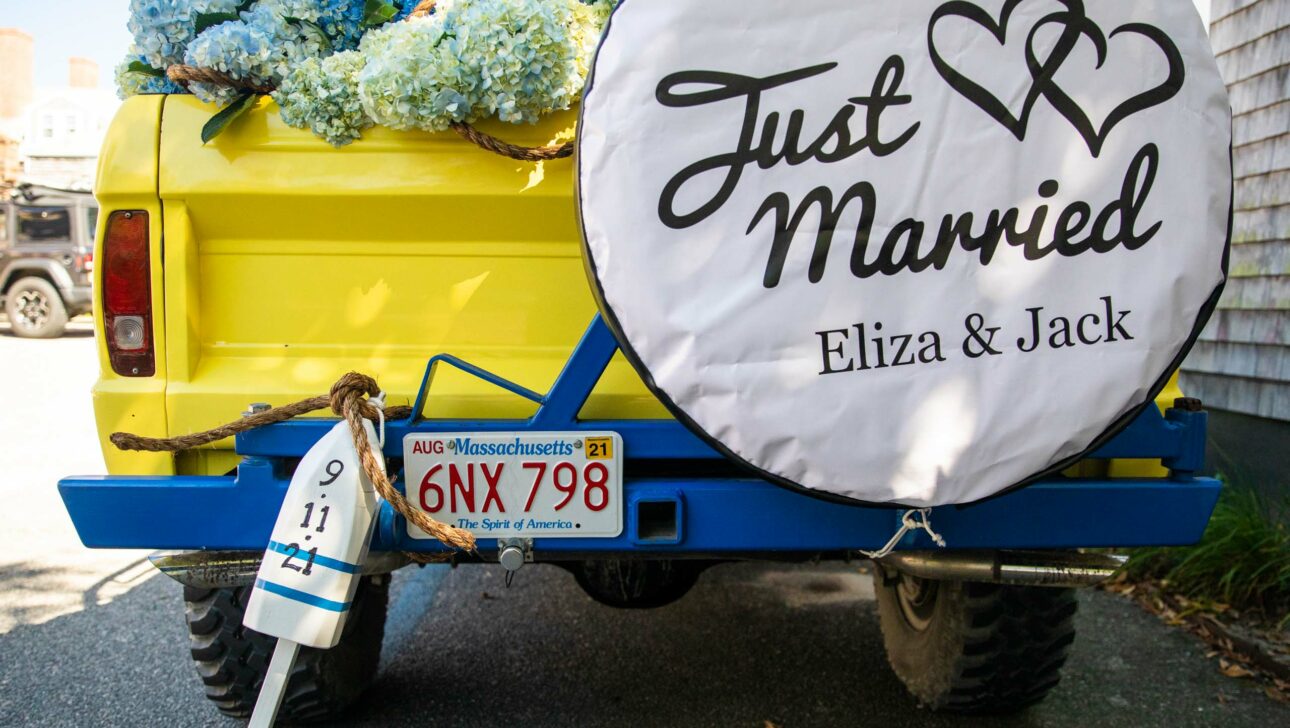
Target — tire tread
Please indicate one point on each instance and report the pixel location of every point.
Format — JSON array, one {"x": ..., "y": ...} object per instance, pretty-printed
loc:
[
  {"x": 990, "y": 649},
  {"x": 1015, "y": 648},
  {"x": 232, "y": 660}
]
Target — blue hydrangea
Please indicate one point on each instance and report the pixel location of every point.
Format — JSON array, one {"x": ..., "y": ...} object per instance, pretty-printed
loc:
[
  {"x": 132, "y": 83},
  {"x": 261, "y": 48},
  {"x": 341, "y": 21},
  {"x": 405, "y": 9},
  {"x": 162, "y": 29}
]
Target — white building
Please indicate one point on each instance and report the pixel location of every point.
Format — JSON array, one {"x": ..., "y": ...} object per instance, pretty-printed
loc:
[{"x": 62, "y": 133}]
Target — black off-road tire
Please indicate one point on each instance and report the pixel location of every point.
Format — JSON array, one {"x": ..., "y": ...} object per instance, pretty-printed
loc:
[
  {"x": 232, "y": 660},
  {"x": 975, "y": 648},
  {"x": 35, "y": 309}
]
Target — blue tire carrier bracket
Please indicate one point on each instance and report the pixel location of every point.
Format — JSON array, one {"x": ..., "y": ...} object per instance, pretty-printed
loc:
[{"x": 720, "y": 512}]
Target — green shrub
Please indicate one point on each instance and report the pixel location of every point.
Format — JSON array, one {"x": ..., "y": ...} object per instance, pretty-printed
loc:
[{"x": 1243, "y": 559}]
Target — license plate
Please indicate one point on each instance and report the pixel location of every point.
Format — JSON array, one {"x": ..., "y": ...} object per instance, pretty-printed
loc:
[{"x": 513, "y": 484}]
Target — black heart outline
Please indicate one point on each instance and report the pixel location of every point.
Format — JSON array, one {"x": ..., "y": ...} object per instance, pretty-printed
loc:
[
  {"x": 978, "y": 94},
  {"x": 1066, "y": 106},
  {"x": 1076, "y": 24}
]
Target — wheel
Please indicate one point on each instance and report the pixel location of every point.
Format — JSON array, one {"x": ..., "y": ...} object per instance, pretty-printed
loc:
[
  {"x": 35, "y": 309},
  {"x": 232, "y": 660},
  {"x": 975, "y": 648}
]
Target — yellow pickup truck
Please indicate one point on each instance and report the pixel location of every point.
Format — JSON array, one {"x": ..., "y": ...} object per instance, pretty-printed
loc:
[{"x": 256, "y": 269}]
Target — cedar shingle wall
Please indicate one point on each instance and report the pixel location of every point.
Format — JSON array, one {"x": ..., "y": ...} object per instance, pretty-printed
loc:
[{"x": 1242, "y": 361}]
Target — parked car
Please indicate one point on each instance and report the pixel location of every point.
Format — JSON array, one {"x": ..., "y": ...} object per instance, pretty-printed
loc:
[{"x": 46, "y": 258}]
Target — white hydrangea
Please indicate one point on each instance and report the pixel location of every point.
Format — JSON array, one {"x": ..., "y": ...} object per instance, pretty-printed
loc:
[
  {"x": 162, "y": 29},
  {"x": 516, "y": 59},
  {"x": 322, "y": 95},
  {"x": 522, "y": 54},
  {"x": 411, "y": 80},
  {"x": 214, "y": 93},
  {"x": 589, "y": 20}
]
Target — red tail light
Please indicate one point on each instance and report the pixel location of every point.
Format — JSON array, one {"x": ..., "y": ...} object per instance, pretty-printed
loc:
[{"x": 127, "y": 294}]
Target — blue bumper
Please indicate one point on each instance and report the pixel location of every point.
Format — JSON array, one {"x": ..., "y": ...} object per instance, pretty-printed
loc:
[
  {"x": 721, "y": 515},
  {"x": 713, "y": 517}
]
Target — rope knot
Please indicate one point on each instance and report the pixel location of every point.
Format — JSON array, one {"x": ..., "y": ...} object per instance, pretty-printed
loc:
[
  {"x": 913, "y": 519},
  {"x": 351, "y": 388}
]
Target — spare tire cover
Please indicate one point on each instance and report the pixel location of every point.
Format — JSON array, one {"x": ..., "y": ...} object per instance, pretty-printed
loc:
[{"x": 910, "y": 252}]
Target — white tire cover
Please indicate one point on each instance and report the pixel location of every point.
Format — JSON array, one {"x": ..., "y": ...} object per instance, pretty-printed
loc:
[{"x": 912, "y": 114}]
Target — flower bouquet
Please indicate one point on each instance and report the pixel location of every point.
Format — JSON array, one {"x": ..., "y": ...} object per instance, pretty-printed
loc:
[{"x": 338, "y": 67}]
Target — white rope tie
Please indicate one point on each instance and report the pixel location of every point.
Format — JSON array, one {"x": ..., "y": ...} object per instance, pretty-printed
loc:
[
  {"x": 379, "y": 403},
  {"x": 913, "y": 520}
]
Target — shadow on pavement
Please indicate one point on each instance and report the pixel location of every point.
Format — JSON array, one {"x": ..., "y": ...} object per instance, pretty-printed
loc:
[
  {"x": 753, "y": 643},
  {"x": 123, "y": 662},
  {"x": 795, "y": 646}
]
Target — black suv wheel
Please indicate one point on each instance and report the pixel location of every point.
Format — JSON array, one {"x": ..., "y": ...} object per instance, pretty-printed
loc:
[
  {"x": 975, "y": 648},
  {"x": 232, "y": 660},
  {"x": 35, "y": 309}
]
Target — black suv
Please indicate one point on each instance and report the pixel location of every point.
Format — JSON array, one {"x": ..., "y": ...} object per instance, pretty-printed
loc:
[{"x": 46, "y": 258}]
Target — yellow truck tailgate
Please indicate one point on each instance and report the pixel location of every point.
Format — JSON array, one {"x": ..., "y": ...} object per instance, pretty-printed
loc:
[{"x": 288, "y": 263}]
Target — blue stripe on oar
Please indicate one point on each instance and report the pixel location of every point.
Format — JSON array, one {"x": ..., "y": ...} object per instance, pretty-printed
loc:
[
  {"x": 299, "y": 596},
  {"x": 319, "y": 560}
]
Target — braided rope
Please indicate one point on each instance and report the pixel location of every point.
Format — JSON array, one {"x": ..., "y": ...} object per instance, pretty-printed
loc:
[
  {"x": 506, "y": 149},
  {"x": 185, "y": 75},
  {"x": 347, "y": 400}
]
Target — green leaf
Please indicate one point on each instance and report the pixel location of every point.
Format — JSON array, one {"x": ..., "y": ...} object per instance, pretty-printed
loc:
[
  {"x": 377, "y": 12},
  {"x": 141, "y": 67},
  {"x": 219, "y": 122},
  {"x": 245, "y": 6},
  {"x": 206, "y": 20},
  {"x": 309, "y": 25}
]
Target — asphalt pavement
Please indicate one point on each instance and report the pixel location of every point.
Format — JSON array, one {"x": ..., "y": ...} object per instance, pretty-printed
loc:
[{"x": 98, "y": 638}]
